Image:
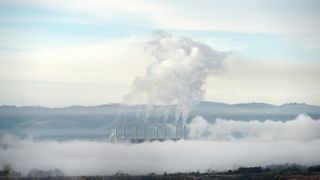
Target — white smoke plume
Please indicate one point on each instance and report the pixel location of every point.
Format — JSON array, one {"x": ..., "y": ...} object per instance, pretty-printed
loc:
[{"x": 176, "y": 73}]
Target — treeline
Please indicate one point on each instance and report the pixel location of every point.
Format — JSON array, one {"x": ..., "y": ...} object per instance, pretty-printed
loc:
[
  {"x": 7, "y": 173},
  {"x": 285, "y": 171},
  {"x": 284, "y": 168}
]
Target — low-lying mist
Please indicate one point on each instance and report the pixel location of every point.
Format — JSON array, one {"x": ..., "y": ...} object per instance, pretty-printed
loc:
[
  {"x": 222, "y": 145},
  {"x": 99, "y": 158},
  {"x": 302, "y": 128}
]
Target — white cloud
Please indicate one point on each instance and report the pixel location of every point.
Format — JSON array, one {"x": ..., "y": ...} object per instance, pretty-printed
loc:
[
  {"x": 303, "y": 128},
  {"x": 100, "y": 158},
  {"x": 249, "y": 16}
]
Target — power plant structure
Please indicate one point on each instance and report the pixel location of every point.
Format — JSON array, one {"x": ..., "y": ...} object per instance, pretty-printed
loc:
[{"x": 156, "y": 137}]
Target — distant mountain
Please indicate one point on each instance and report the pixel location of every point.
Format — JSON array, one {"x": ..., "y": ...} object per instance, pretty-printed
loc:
[
  {"x": 254, "y": 105},
  {"x": 96, "y": 122}
]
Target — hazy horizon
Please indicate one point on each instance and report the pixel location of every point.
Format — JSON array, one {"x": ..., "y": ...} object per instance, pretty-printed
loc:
[{"x": 144, "y": 104}]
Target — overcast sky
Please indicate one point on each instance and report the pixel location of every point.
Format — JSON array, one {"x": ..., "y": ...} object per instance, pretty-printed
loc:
[{"x": 88, "y": 52}]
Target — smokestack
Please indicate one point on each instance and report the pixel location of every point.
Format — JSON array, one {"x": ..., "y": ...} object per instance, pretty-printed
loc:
[
  {"x": 136, "y": 139},
  {"x": 177, "y": 132},
  {"x": 145, "y": 132},
  {"x": 124, "y": 132},
  {"x": 157, "y": 129},
  {"x": 185, "y": 132},
  {"x": 165, "y": 132},
  {"x": 115, "y": 134}
]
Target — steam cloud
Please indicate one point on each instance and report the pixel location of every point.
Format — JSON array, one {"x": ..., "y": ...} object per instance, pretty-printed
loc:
[
  {"x": 176, "y": 73},
  {"x": 294, "y": 141},
  {"x": 303, "y": 128}
]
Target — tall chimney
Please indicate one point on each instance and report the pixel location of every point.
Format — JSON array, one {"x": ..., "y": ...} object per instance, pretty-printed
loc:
[
  {"x": 136, "y": 137},
  {"x": 124, "y": 132},
  {"x": 185, "y": 132},
  {"x": 115, "y": 134},
  {"x": 165, "y": 132},
  {"x": 157, "y": 129},
  {"x": 177, "y": 132},
  {"x": 145, "y": 132}
]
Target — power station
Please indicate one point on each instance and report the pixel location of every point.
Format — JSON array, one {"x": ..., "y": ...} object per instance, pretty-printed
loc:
[{"x": 158, "y": 137}]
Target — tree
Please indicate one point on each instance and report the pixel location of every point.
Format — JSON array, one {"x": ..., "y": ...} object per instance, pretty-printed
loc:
[{"x": 7, "y": 170}]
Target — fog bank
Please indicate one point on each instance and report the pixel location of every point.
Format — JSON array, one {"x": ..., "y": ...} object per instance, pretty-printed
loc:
[
  {"x": 100, "y": 158},
  {"x": 302, "y": 128}
]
